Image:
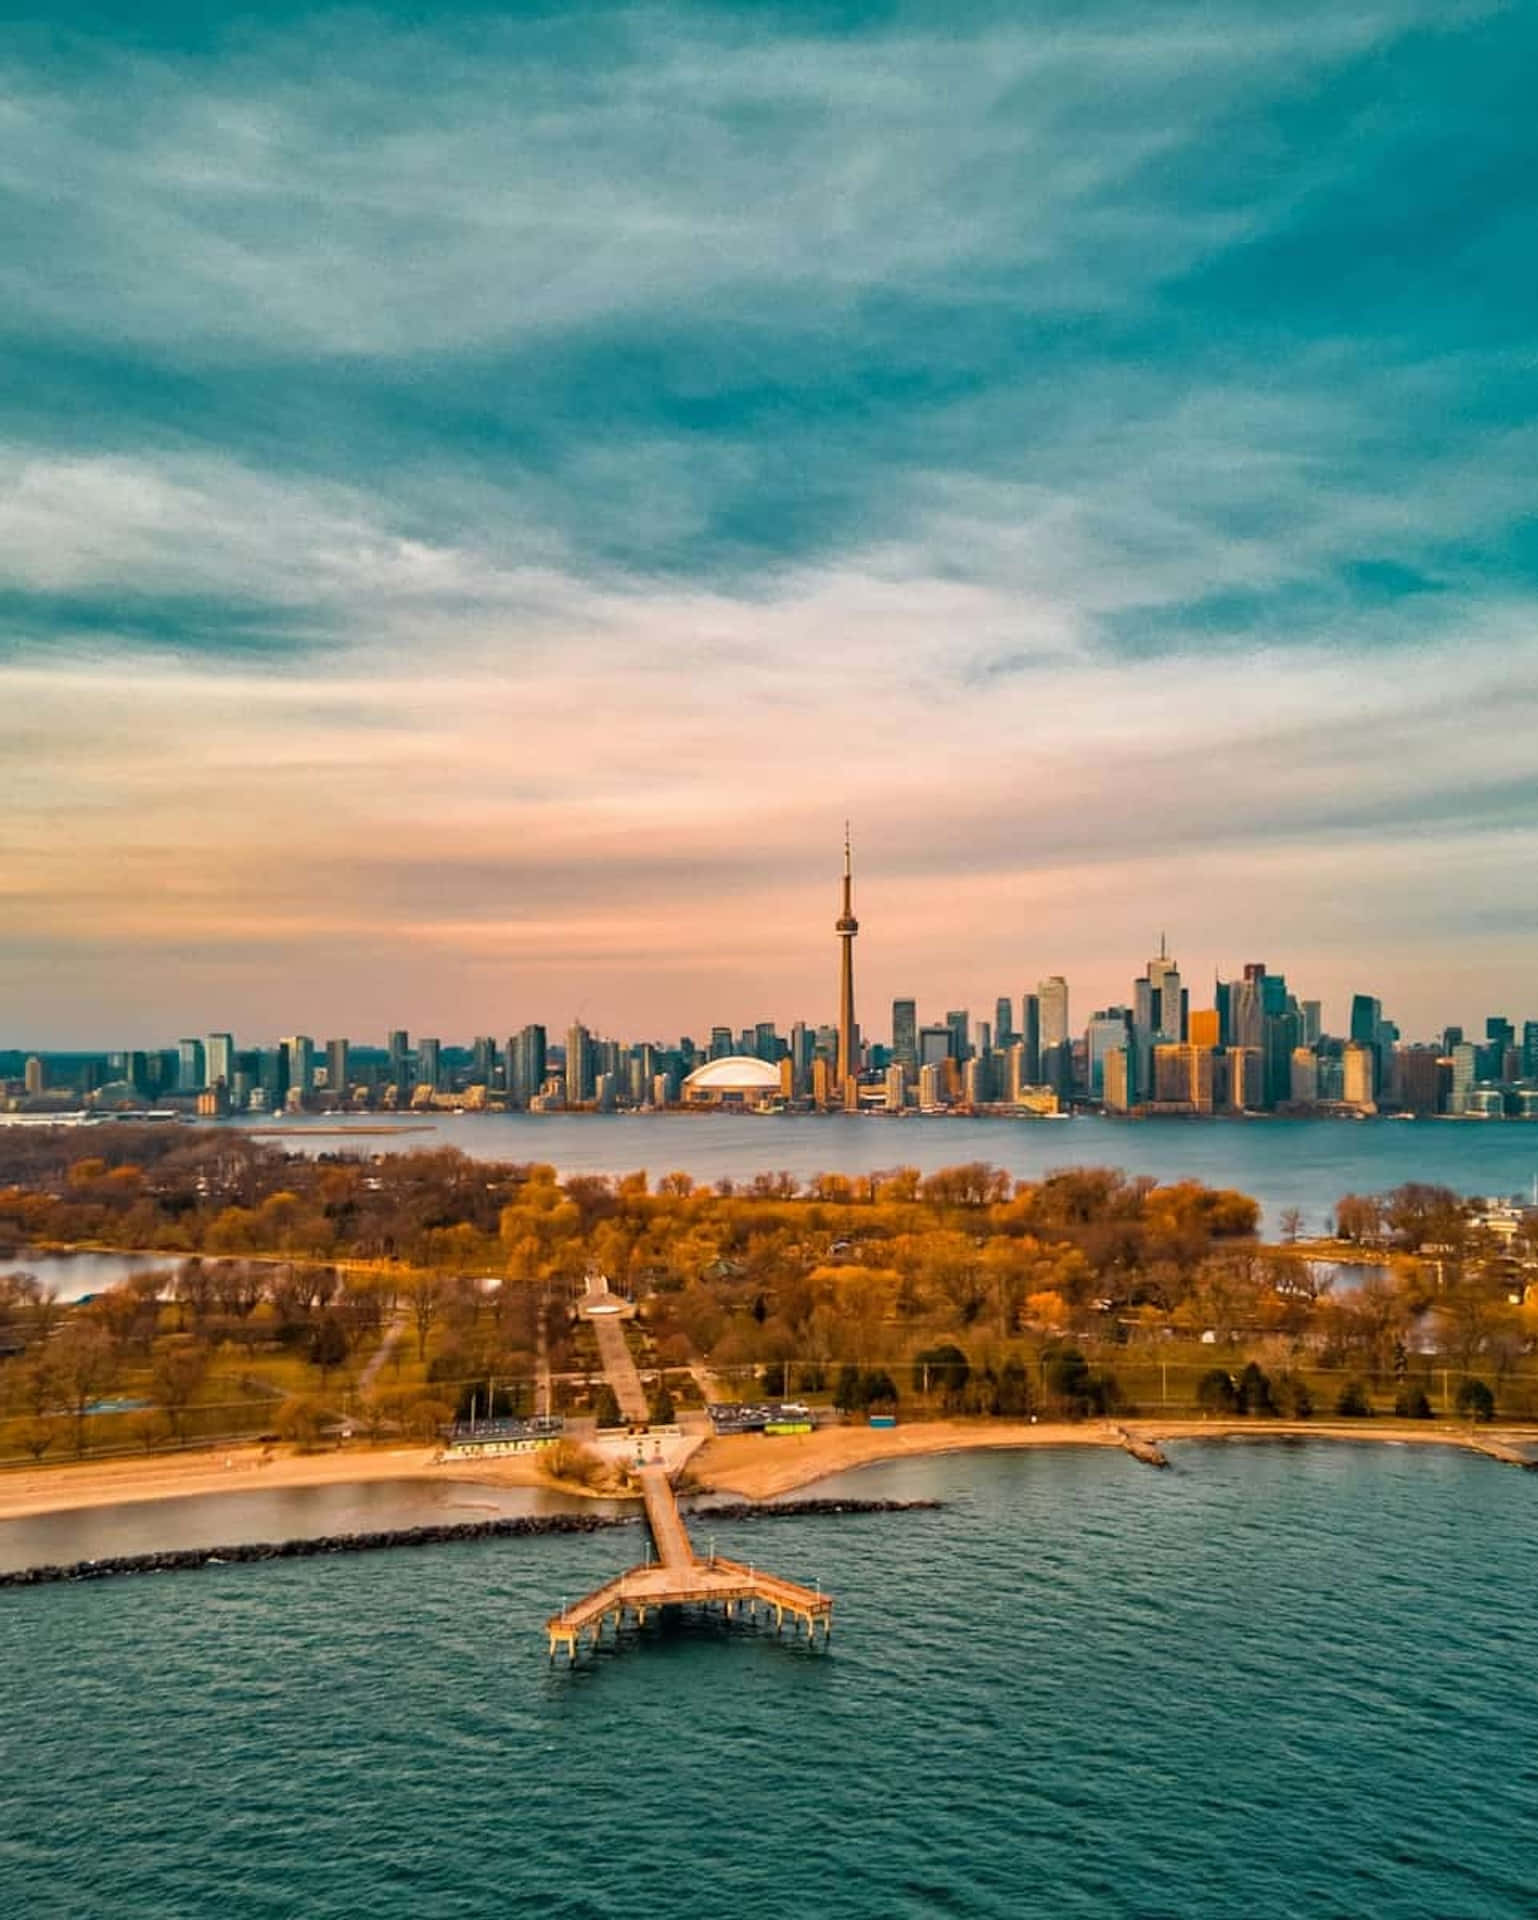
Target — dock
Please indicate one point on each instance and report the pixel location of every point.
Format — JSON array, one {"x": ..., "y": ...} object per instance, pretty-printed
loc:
[{"x": 678, "y": 1577}]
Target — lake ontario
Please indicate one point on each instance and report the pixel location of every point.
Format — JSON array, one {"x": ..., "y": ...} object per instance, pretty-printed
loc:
[
  {"x": 1306, "y": 1164},
  {"x": 1278, "y": 1679}
]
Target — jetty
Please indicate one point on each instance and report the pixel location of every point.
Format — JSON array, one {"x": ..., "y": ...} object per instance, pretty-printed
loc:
[{"x": 678, "y": 1577}]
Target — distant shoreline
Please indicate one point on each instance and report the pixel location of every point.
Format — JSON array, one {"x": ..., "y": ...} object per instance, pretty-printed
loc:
[{"x": 749, "y": 1466}]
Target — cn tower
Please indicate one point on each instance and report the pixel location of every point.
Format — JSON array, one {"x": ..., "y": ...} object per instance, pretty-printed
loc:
[{"x": 847, "y": 928}]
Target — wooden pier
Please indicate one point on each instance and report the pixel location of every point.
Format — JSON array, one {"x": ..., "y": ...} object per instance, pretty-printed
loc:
[{"x": 678, "y": 1577}]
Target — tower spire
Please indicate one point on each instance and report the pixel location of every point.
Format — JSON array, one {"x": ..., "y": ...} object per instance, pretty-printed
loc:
[{"x": 847, "y": 927}]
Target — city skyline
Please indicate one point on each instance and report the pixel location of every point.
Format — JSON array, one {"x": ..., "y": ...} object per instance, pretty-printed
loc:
[{"x": 455, "y": 556}]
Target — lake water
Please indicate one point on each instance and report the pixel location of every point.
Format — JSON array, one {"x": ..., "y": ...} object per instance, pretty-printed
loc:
[
  {"x": 1306, "y": 1164},
  {"x": 73, "y": 1276},
  {"x": 280, "y": 1513},
  {"x": 1279, "y": 1681}
]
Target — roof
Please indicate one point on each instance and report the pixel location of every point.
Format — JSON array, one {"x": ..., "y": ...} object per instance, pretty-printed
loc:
[{"x": 737, "y": 1073}]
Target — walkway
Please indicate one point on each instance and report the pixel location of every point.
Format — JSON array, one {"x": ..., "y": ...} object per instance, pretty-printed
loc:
[{"x": 678, "y": 1577}]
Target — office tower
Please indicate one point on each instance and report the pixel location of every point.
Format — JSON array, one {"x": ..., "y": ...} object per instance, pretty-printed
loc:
[
  {"x": 1451, "y": 1037},
  {"x": 219, "y": 1060},
  {"x": 1183, "y": 1076},
  {"x": 722, "y": 1044},
  {"x": 960, "y": 1023},
  {"x": 846, "y": 928},
  {"x": 579, "y": 1065},
  {"x": 1115, "y": 1079},
  {"x": 1359, "y": 1076},
  {"x": 483, "y": 1060},
  {"x": 1106, "y": 1030},
  {"x": 905, "y": 1036},
  {"x": 1030, "y": 1038},
  {"x": 767, "y": 1044},
  {"x": 984, "y": 1039},
  {"x": 1530, "y": 1049},
  {"x": 430, "y": 1063},
  {"x": 935, "y": 1044},
  {"x": 399, "y": 1048},
  {"x": 1245, "y": 1087},
  {"x": 895, "y": 1083},
  {"x": 1499, "y": 1032},
  {"x": 975, "y": 1089},
  {"x": 1420, "y": 1079},
  {"x": 1246, "y": 1011},
  {"x": 35, "y": 1079},
  {"x": 1004, "y": 1035},
  {"x": 1310, "y": 1013},
  {"x": 1464, "y": 1075},
  {"x": 1052, "y": 998},
  {"x": 603, "y": 1092},
  {"x": 1366, "y": 1012},
  {"x": 526, "y": 1065},
  {"x": 190, "y": 1067},
  {"x": 1204, "y": 1028},
  {"x": 802, "y": 1043},
  {"x": 1015, "y": 1080},
  {"x": 338, "y": 1074},
  {"x": 932, "y": 1086},
  {"x": 1167, "y": 997},
  {"x": 1303, "y": 1090},
  {"x": 298, "y": 1052}
]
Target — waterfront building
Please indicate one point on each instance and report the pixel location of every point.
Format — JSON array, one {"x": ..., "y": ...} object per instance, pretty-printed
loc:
[
  {"x": 398, "y": 1046},
  {"x": 219, "y": 1060},
  {"x": 527, "y": 1065},
  {"x": 905, "y": 1044},
  {"x": 483, "y": 1060},
  {"x": 932, "y": 1086},
  {"x": 1359, "y": 1076},
  {"x": 579, "y": 1065},
  {"x": 1246, "y": 1084},
  {"x": 935, "y": 1044},
  {"x": 1204, "y": 1028},
  {"x": 1115, "y": 1070},
  {"x": 1183, "y": 1077},
  {"x": 1464, "y": 1075},
  {"x": 974, "y": 1081},
  {"x": 960, "y": 1023},
  {"x": 430, "y": 1063},
  {"x": 1105, "y": 1032},
  {"x": 190, "y": 1070},
  {"x": 1421, "y": 1076},
  {"x": 338, "y": 1078},
  {"x": 1311, "y": 1023},
  {"x": 1530, "y": 1049},
  {"x": 1004, "y": 1035},
  {"x": 895, "y": 1088},
  {"x": 34, "y": 1078},
  {"x": 1052, "y": 1003},
  {"x": 1304, "y": 1089},
  {"x": 1030, "y": 1037}
]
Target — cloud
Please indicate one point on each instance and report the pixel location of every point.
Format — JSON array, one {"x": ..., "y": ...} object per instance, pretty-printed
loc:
[{"x": 491, "y": 496}]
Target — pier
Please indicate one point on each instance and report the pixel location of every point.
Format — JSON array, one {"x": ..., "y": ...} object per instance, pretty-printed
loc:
[{"x": 679, "y": 1577}]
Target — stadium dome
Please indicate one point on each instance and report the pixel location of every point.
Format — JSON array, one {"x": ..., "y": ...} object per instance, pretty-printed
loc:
[{"x": 738, "y": 1080}]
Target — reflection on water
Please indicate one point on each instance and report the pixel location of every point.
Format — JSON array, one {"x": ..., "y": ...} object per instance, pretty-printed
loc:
[{"x": 272, "y": 1513}]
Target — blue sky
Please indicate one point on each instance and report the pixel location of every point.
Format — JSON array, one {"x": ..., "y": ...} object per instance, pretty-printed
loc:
[{"x": 483, "y": 494}]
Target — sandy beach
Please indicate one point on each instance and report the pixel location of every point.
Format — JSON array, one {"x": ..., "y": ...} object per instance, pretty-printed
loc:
[{"x": 751, "y": 1466}]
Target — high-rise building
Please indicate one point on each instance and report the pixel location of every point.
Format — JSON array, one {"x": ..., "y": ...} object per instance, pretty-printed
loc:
[
  {"x": 960, "y": 1023},
  {"x": 1052, "y": 1000},
  {"x": 399, "y": 1048},
  {"x": 1310, "y": 1013},
  {"x": 1465, "y": 1073},
  {"x": 337, "y": 1065},
  {"x": 1115, "y": 1068},
  {"x": 1366, "y": 1012},
  {"x": 1530, "y": 1049},
  {"x": 219, "y": 1060},
  {"x": 1420, "y": 1079},
  {"x": 430, "y": 1063},
  {"x": 1004, "y": 1035},
  {"x": 1304, "y": 1088},
  {"x": 1204, "y": 1028},
  {"x": 722, "y": 1045},
  {"x": 846, "y": 928},
  {"x": 483, "y": 1060},
  {"x": 1106, "y": 1031},
  {"x": 35, "y": 1080},
  {"x": 935, "y": 1044},
  {"x": 1030, "y": 1038},
  {"x": 298, "y": 1065},
  {"x": 895, "y": 1088},
  {"x": 190, "y": 1068},
  {"x": 525, "y": 1065},
  {"x": 1359, "y": 1067},
  {"x": 932, "y": 1086},
  {"x": 579, "y": 1065},
  {"x": 905, "y": 1036}
]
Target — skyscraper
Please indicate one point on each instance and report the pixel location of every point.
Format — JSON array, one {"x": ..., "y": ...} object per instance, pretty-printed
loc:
[
  {"x": 219, "y": 1060},
  {"x": 905, "y": 1036},
  {"x": 1052, "y": 997},
  {"x": 299, "y": 1064},
  {"x": 525, "y": 1065},
  {"x": 430, "y": 1063},
  {"x": 189, "y": 1066},
  {"x": 579, "y": 1065},
  {"x": 1004, "y": 1035},
  {"x": 1030, "y": 1038},
  {"x": 846, "y": 928},
  {"x": 337, "y": 1052},
  {"x": 960, "y": 1023}
]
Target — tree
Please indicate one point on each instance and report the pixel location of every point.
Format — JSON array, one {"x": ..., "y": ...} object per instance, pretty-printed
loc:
[
  {"x": 299, "y": 1420},
  {"x": 1474, "y": 1400},
  {"x": 1293, "y": 1399},
  {"x": 328, "y": 1344},
  {"x": 1012, "y": 1391},
  {"x": 177, "y": 1375},
  {"x": 1216, "y": 1393},
  {"x": 1253, "y": 1394},
  {"x": 424, "y": 1296},
  {"x": 1410, "y": 1403},
  {"x": 1351, "y": 1402},
  {"x": 606, "y": 1407},
  {"x": 1292, "y": 1224},
  {"x": 85, "y": 1365},
  {"x": 944, "y": 1370},
  {"x": 662, "y": 1412}
]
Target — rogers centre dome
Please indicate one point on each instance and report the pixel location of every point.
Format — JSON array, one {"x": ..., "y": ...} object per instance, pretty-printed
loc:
[{"x": 736, "y": 1081}]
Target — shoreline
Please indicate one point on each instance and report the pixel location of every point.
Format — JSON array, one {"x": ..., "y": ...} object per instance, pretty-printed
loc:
[{"x": 748, "y": 1466}]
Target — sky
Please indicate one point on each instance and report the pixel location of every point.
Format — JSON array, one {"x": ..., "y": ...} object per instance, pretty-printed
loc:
[{"x": 485, "y": 494}]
